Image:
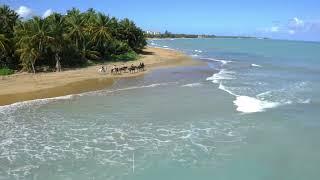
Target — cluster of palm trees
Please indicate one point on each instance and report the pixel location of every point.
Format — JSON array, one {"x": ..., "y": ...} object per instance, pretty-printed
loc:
[{"x": 68, "y": 40}]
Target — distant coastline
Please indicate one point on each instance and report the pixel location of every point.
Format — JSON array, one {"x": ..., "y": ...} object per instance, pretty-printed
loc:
[{"x": 169, "y": 35}]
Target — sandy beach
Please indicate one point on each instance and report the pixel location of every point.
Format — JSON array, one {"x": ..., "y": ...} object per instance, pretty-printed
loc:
[{"x": 26, "y": 86}]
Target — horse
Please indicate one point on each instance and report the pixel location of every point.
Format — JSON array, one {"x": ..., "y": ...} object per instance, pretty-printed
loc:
[
  {"x": 102, "y": 69},
  {"x": 141, "y": 66},
  {"x": 124, "y": 69},
  {"x": 115, "y": 70},
  {"x": 132, "y": 68}
]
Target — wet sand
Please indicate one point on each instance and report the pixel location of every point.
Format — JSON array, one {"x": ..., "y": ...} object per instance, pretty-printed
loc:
[{"x": 26, "y": 86}]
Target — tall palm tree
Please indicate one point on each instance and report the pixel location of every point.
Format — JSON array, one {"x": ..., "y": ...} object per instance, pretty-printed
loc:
[
  {"x": 33, "y": 37},
  {"x": 56, "y": 28},
  {"x": 101, "y": 32},
  {"x": 87, "y": 53},
  {"x": 130, "y": 33},
  {"x": 90, "y": 15},
  {"x": 8, "y": 18},
  {"x": 75, "y": 27},
  {"x": 28, "y": 57}
]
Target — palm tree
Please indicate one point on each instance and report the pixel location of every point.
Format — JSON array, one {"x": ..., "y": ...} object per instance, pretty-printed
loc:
[
  {"x": 75, "y": 27},
  {"x": 87, "y": 53},
  {"x": 90, "y": 15},
  {"x": 8, "y": 18},
  {"x": 101, "y": 32},
  {"x": 28, "y": 57},
  {"x": 33, "y": 37},
  {"x": 56, "y": 29},
  {"x": 130, "y": 33},
  {"x": 4, "y": 45}
]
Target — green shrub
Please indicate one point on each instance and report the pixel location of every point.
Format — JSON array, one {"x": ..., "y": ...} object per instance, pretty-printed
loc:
[
  {"x": 5, "y": 71},
  {"x": 129, "y": 56}
]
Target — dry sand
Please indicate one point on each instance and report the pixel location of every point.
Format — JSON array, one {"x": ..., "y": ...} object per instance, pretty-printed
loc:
[{"x": 26, "y": 86}]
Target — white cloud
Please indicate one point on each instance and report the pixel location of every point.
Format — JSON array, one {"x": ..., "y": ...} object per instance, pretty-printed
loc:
[
  {"x": 293, "y": 26},
  {"x": 47, "y": 13},
  {"x": 24, "y": 12},
  {"x": 296, "y": 22},
  {"x": 274, "y": 29},
  {"x": 291, "y": 32}
]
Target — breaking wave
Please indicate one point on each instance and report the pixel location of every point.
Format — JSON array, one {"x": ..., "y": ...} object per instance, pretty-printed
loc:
[
  {"x": 221, "y": 75},
  {"x": 223, "y": 62},
  {"x": 38, "y": 102},
  {"x": 192, "y": 85},
  {"x": 261, "y": 102},
  {"x": 255, "y": 65}
]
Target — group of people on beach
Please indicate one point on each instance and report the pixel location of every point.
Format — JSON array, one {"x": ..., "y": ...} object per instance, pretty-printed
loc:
[{"x": 118, "y": 70}]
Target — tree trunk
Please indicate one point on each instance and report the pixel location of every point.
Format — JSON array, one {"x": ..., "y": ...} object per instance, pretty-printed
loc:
[
  {"x": 58, "y": 64},
  {"x": 34, "y": 71}
]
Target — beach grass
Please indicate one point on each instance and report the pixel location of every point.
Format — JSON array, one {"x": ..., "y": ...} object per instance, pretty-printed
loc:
[{"x": 5, "y": 71}]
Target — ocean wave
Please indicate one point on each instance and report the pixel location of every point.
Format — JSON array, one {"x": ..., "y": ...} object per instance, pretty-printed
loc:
[
  {"x": 255, "y": 65},
  {"x": 248, "y": 104},
  {"x": 198, "y": 51},
  {"x": 18, "y": 105},
  {"x": 104, "y": 92},
  {"x": 261, "y": 102},
  {"x": 245, "y": 104},
  {"x": 222, "y": 87},
  {"x": 221, "y": 75},
  {"x": 153, "y": 44},
  {"x": 192, "y": 85},
  {"x": 223, "y": 62},
  {"x": 291, "y": 94}
]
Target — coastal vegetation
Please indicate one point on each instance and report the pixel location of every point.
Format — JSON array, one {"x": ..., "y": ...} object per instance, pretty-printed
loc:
[
  {"x": 65, "y": 41},
  {"x": 168, "y": 34}
]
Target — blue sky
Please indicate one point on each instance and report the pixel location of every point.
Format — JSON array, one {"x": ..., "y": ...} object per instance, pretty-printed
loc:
[{"x": 297, "y": 20}]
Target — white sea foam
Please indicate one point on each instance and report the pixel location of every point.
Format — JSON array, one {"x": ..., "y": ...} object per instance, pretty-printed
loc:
[
  {"x": 18, "y": 105},
  {"x": 222, "y": 87},
  {"x": 306, "y": 101},
  {"x": 248, "y": 104},
  {"x": 255, "y": 65},
  {"x": 198, "y": 51},
  {"x": 192, "y": 85},
  {"x": 140, "y": 87},
  {"x": 221, "y": 75},
  {"x": 12, "y": 107},
  {"x": 223, "y": 62}
]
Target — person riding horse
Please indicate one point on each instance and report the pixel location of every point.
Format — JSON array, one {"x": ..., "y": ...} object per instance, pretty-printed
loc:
[{"x": 102, "y": 69}]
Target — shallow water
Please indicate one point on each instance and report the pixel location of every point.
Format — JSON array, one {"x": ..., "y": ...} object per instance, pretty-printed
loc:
[{"x": 177, "y": 123}]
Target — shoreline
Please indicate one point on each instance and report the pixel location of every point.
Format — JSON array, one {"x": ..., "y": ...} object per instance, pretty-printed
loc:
[{"x": 25, "y": 86}]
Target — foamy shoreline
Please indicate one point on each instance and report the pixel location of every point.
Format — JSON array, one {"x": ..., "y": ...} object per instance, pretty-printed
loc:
[{"x": 25, "y": 86}]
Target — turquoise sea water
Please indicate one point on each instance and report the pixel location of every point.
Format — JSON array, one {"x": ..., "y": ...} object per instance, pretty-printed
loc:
[{"x": 251, "y": 113}]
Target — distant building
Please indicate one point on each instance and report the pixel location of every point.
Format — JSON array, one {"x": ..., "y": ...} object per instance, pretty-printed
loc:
[{"x": 153, "y": 33}]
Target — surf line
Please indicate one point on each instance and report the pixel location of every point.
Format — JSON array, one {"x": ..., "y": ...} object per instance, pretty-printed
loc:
[{"x": 133, "y": 162}]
